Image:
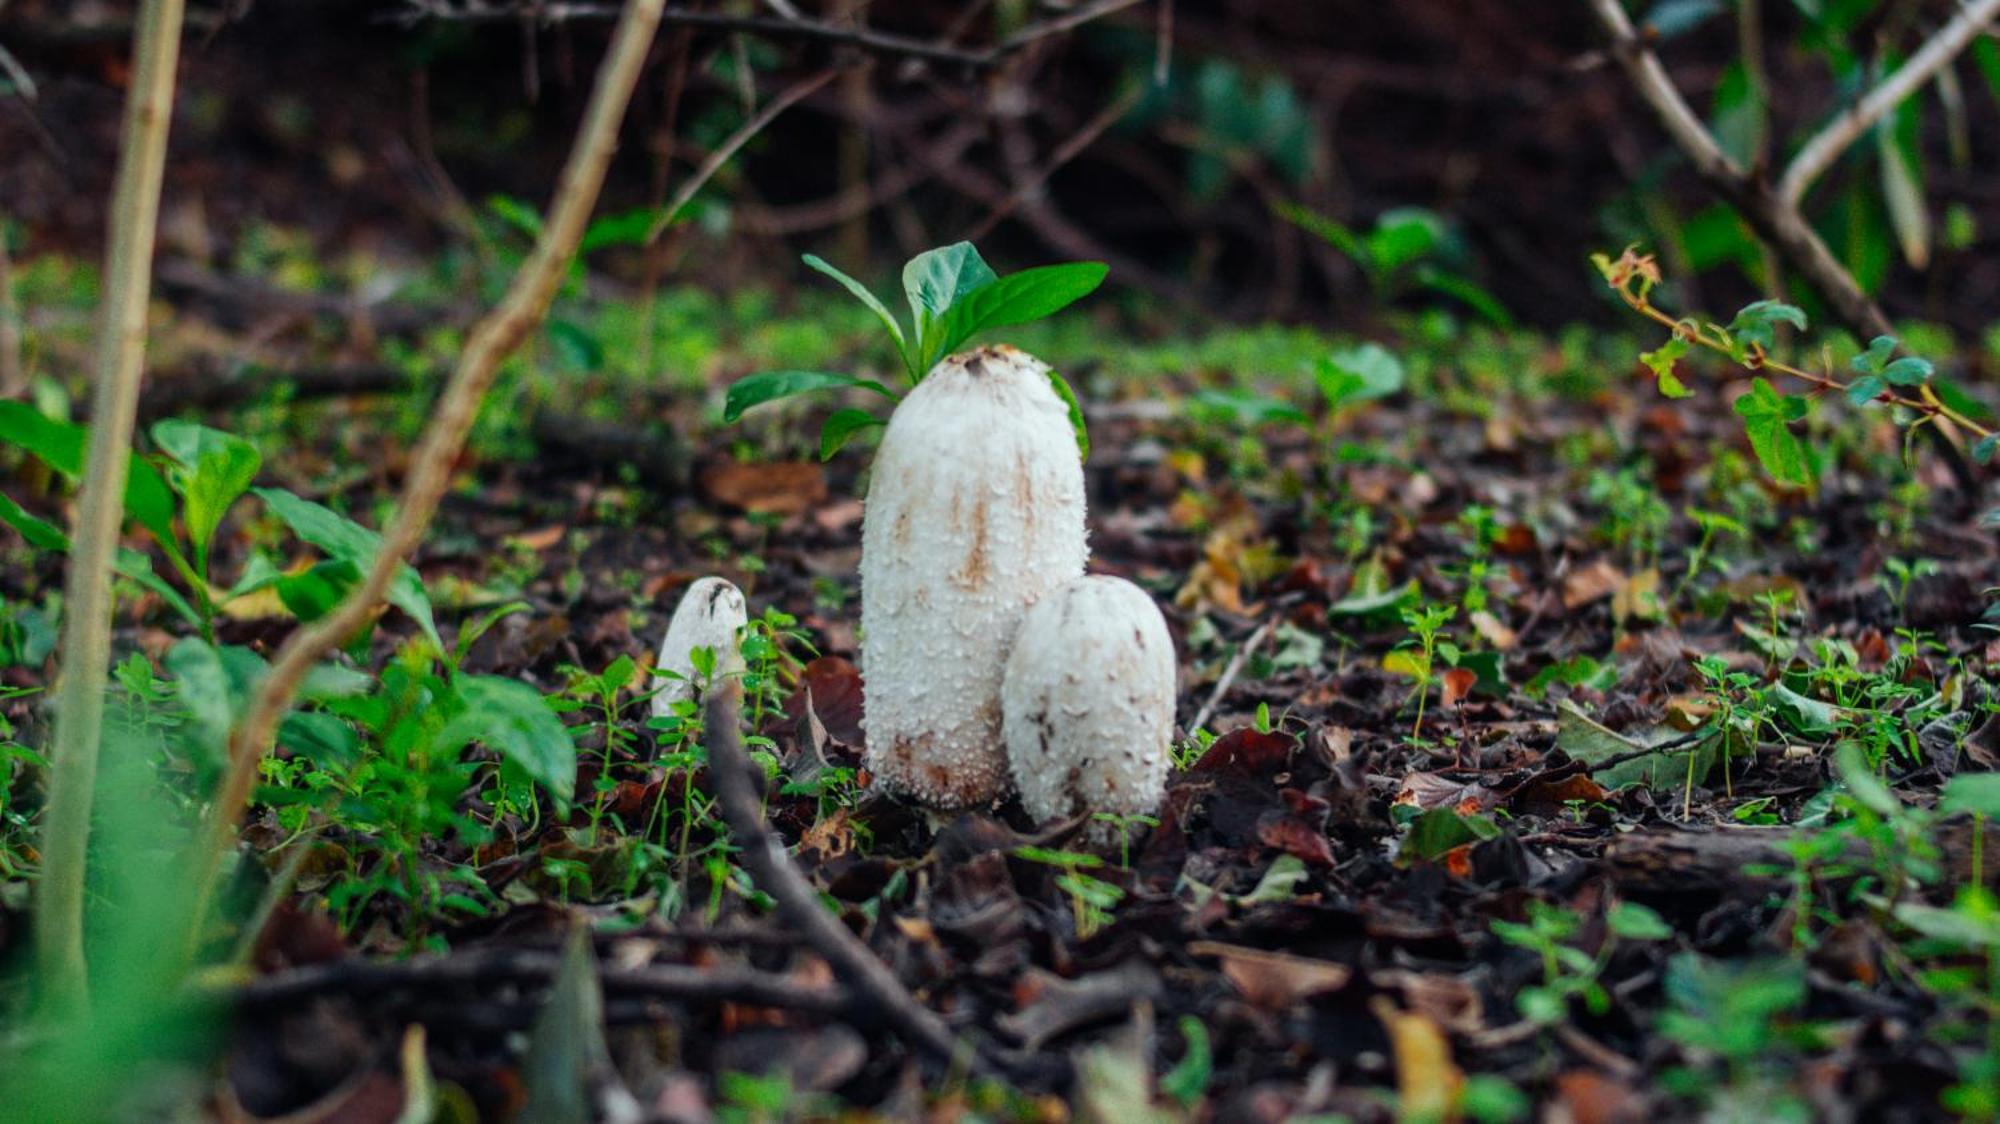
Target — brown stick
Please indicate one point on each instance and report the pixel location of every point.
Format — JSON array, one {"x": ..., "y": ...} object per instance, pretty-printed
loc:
[
  {"x": 496, "y": 337},
  {"x": 1777, "y": 222},
  {"x": 763, "y": 855}
]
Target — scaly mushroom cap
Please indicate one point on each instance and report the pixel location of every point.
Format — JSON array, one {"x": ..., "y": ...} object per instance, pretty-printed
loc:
[
  {"x": 1088, "y": 703},
  {"x": 975, "y": 510},
  {"x": 710, "y": 615}
]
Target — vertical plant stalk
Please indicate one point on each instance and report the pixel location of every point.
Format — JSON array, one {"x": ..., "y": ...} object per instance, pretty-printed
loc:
[
  {"x": 13, "y": 375},
  {"x": 87, "y": 604},
  {"x": 496, "y": 337}
]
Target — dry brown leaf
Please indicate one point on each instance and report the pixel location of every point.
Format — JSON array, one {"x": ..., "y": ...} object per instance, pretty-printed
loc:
[
  {"x": 1427, "y": 1080},
  {"x": 778, "y": 488},
  {"x": 1274, "y": 981},
  {"x": 1589, "y": 584}
]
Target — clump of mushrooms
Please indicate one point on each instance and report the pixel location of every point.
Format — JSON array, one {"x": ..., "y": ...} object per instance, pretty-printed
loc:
[
  {"x": 1088, "y": 702},
  {"x": 711, "y": 614},
  {"x": 975, "y": 510}
]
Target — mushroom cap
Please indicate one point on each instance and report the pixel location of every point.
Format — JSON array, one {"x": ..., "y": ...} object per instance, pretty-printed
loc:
[
  {"x": 710, "y": 614},
  {"x": 1088, "y": 703},
  {"x": 975, "y": 510}
]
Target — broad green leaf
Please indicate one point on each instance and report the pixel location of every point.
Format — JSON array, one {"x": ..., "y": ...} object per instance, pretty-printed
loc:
[
  {"x": 513, "y": 720},
  {"x": 1358, "y": 374},
  {"x": 1661, "y": 362},
  {"x": 214, "y": 683},
  {"x": 61, "y": 446},
  {"x": 314, "y": 592},
  {"x": 516, "y": 213},
  {"x": 1867, "y": 789},
  {"x": 627, "y": 228},
  {"x": 936, "y": 280},
  {"x": 1766, "y": 419},
  {"x": 1586, "y": 740},
  {"x": 1027, "y": 296},
  {"x": 1983, "y": 451},
  {"x": 137, "y": 568},
  {"x": 567, "y": 1059},
  {"x": 1876, "y": 358},
  {"x": 769, "y": 386},
  {"x": 1439, "y": 830},
  {"x": 843, "y": 426},
  {"x": 1068, "y": 394},
  {"x": 1475, "y": 296},
  {"x": 1908, "y": 371},
  {"x": 1637, "y": 922},
  {"x": 345, "y": 540},
  {"x": 1958, "y": 926},
  {"x": 1248, "y": 407},
  {"x": 211, "y": 470},
  {"x": 860, "y": 292}
]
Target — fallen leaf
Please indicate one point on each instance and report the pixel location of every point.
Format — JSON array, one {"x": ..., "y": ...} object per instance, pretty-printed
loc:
[
  {"x": 1274, "y": 981},
  {"x": 1497, "y": 634},
  {"x": 775, "y": 488},
  {"x": 1589, "y": 584},
  {"x": 1427, "y": 1080}
]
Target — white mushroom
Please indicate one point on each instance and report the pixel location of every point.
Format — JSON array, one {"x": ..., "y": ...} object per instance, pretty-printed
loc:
[
  {"x": 710, "y": 615},
  {"x": 975, "y": 510},
  {"x": 1088, "y": 703}
]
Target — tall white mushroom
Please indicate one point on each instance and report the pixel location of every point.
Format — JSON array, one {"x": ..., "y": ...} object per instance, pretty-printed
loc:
[
  {"x": 710, "y": 615},
  {"x": 1088, "y": 704},
  {"x": 975, "y": 510}
]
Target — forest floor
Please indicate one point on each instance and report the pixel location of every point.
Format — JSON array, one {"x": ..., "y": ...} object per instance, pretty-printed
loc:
[{"x": 1551, "y": 760}]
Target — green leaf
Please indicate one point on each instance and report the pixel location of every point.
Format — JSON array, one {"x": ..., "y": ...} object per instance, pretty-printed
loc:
[
  {"x": 1983, "y": 451},
  {"x": 1978, "y": 793},
  {"x": 1866, "y": 389},
  {"x": 843, "y": 426},
  {"x": 1872, "y": 361},
  {"x": 935, "y": 280},
  {"x": 138, "y": 569},
  {"x": 1867, "y": 789},
  {"x": 860, "y": 292},
  {"x": 1766, "y": 419},
  {"x": 1637, "y": 922},
  {"x": 61, "y": 445},
  {"x": 1661, "y": 362},
  {"x": 1188, "y": 1081},
  {"x": 1439, "y": 830},
  {"x": 1076, "y": 423},
  {"x": 1248, "y": 407},
  {"x": 516, "y": 213},
  {"x": 214, "y": 683},
  {"x": 211, "y": 470},
  {"x": 1908, "y": 371},
  {"x": 627, "y": 228},
  {"x": 1335, "y": 234},
  {"x": 769, "y": 386},
  {"x": 314, "y": 592},
  {"x": 513, "y": 720},
  {"x": 1757, "y": 322},
  {"x": 345, "y": 540},
  {"x": 1027, "y": 296},
  {"x": 40, "y": 533},
  {"x": 567, "y": 1058},
  {"x": 1403, "y": 235},
  {"x": 1584, "y": 739},
  {"x": 1472, "y": 294},
  {"x": 1358, "y": 374}
]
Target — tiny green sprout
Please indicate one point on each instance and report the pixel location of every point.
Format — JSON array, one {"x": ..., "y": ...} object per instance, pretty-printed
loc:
[{"x": 953, "y": 295}]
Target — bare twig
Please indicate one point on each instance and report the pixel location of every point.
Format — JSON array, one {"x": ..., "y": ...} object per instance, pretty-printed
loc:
[
  {"x": 1230, "y": 672},
  {"x": 757, "y": 123},
  {"x": 858, "y": 36},
  {"x": 674, "y": 982},
  {"x": 496, "y": 337},
  {"x": 1837, "y": 135},
  {"x": 87, "y": 604},
  {"x": 1069, "y": 150},
  {"x": 763, "y": 855},
  {"x": 1776, "y": 221}
]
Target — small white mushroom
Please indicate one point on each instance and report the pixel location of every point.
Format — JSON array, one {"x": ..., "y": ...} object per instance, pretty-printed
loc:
[
  {"x": 1088, "y": 703},
  {"x": 975, "y": 510},
  {"x": 710, "y": 615}
]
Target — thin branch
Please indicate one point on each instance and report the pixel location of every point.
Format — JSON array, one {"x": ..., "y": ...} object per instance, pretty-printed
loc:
[
  {"x": 87, "y": 603},
  {"x": 1229, "y": 673},
  {"x": 763, "y": 855},
  {"x": 1839, "y": 134},
  {"x": 736, "y": 140},
  {"x": 526, "y": 303},
  {"x": 860, "y": 37},
  {"x": 13, "y": 375},
  {"x": 1777, "y": 222}
]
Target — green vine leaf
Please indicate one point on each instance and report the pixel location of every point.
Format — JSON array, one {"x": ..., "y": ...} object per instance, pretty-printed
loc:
[
  {"x": 1661, "y": 361},
  {"x": 1767, "y": 417}
]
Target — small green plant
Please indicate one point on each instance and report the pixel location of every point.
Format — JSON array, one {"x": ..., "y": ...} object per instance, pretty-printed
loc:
[
  {"x": 1405, "y": 252},
  {"x": 1418, "y": 654},
  {"x": 953, "y": 295},
  {"x": 1091, "y": 899},
  {"x": 1569, "y": 973}
]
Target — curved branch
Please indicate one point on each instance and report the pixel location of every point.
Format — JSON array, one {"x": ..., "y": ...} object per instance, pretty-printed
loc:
[{"x": 1840, "y": 133}]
